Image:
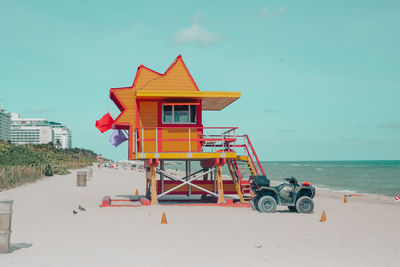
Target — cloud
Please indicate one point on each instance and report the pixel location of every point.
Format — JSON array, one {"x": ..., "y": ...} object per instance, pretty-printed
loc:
[
  {"x": 269, "y": 110},
  {"x": 395, "y": 125},
  {"x": 40, "y": 111},
  {"x": 267, "y": 12},
  {"x": 195, "y": 34},
  {"x": 287, "y": 131}
]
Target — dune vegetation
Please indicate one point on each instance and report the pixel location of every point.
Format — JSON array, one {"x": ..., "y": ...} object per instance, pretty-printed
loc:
[{"x": 26, "y": 163}]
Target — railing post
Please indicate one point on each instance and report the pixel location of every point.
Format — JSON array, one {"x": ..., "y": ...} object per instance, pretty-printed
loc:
[
  {"x": 190, "y": 146},
  {"x": 136, "y": 144},
  {"x": 142, "y": 141},
  {"x": 156, "y": 140},
  {"x": 223, "y": 143}
]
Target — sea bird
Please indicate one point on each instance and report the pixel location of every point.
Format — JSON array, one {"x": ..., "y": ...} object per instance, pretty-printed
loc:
[
  {"x": 81, "y": 208},
  {"x": 74, "y": 212}
]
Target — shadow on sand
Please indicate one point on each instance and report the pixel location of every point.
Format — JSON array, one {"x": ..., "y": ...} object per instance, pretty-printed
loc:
[{"x": 17, "y": 246}]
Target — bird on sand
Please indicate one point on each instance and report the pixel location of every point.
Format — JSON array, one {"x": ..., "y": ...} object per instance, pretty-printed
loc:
[
  {"x": 81, "y": 208},
  {"x": 74, "y": 212}
]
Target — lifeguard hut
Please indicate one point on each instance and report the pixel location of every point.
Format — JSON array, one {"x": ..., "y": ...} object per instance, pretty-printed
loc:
[{"x": 163, "y": 114}]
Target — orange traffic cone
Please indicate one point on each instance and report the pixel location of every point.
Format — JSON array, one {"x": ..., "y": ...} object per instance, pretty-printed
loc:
[
  {"x": 345, "y": 199},
  {"x": 137, "y": 192},
  {"x": 323, "y": 217},
  {"x": 164, "y": 219}
]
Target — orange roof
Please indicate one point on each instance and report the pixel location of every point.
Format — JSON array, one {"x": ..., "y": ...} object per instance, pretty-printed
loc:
[{"x": 175, "y": 82}]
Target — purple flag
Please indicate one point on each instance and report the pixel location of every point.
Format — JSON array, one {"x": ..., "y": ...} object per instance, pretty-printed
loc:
[{"x": 117, "y": 137}]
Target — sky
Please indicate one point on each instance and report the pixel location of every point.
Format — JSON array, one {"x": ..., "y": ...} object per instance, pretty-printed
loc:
[{"x": 319, "y": 79}]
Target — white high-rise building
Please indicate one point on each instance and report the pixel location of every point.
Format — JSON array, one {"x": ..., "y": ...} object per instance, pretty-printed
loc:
[
  {"x": 5, "y": 125},
  {"x": 61, "y": 135},
  {"x": 30, "y": 131},
  {"x": 38, "y": 131}
]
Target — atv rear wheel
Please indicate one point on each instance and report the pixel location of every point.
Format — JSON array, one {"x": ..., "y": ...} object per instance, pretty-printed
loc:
[
  {"x": 267, "y": 204},
  {"x": 254, "y": 202},
  {"x": 305, "y": 205},
  {"x": 253, "y": 207}
]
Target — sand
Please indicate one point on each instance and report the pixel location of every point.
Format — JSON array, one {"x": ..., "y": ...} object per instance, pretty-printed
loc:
[{"x": 363, "y": 232}]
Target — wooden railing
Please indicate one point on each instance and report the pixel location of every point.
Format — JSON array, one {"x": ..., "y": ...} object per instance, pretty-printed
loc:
[
  {"x": 210, "y": 139},
  {"x": 12, "y": 176}
]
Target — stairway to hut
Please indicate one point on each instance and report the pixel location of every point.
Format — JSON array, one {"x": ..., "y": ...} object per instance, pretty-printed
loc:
[{"x": 245, "y": 166}]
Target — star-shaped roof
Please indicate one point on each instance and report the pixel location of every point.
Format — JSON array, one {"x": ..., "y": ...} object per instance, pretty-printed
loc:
[
  {"x": 175, "y": 83},
  {"x": 176, "y": 78}
]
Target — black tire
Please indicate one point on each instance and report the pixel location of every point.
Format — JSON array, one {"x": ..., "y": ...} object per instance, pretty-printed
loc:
[
  {"x": 253, "y": 207},
  {"x": 267, "y": 204},
  {"x": 305, "y": 205},
  {"x": 254, "y": 203},
  {"x": 292, "y": 208}
]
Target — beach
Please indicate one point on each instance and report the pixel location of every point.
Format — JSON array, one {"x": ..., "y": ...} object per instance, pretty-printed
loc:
[{"x": 362, "y": 232}]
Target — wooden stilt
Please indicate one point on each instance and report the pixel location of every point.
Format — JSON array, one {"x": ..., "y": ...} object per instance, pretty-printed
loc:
[
  {"x": 147, "y": 182},
  {"x": 153, "y": 178},
  {"x": 188, "y": 171},
  {"x": 162, "y": 167},
  {"x": 213, "y": 176},
  {"x": 220, "y": 185}
]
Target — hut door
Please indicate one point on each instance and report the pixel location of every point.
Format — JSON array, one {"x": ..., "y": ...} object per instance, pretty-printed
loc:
[{"x": 148, "y": 122}]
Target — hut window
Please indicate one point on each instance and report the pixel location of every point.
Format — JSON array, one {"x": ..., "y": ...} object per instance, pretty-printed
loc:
[
  {"x": 167, "y": 114},
  {"x": 179, "y": 114}
]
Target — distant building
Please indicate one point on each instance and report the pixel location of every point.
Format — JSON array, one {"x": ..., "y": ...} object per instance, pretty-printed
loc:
[
  {"x": 38, "y": 131},
  {"x": 30, "y": 131},
  {"x": 61, "y": 135},
  {"x": 5, "y": 125}
]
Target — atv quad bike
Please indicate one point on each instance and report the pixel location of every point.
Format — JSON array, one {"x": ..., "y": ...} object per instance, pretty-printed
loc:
[{"x": 297, "y": 197}]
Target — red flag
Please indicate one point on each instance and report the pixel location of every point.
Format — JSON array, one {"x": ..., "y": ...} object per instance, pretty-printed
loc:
[{"x": 105, "y": 123}]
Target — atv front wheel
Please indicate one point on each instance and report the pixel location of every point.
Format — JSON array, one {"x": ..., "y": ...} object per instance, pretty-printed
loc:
[
  {"x": 305, "y": 205},
  {"x": 267, "y": 204}
]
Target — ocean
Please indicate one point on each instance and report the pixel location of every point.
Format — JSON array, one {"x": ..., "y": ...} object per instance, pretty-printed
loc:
[{"x": 380, "y": 177}]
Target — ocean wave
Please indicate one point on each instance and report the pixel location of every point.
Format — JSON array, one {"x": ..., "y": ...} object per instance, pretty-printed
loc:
[
  {"x": 296, "y": 164},
  {"x": 319, "y": 169}
]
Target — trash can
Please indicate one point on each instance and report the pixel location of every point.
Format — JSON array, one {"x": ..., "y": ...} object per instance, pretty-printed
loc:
[
  {"x": 5, "y": 225},
  {"x": 81, "y": 178}
]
